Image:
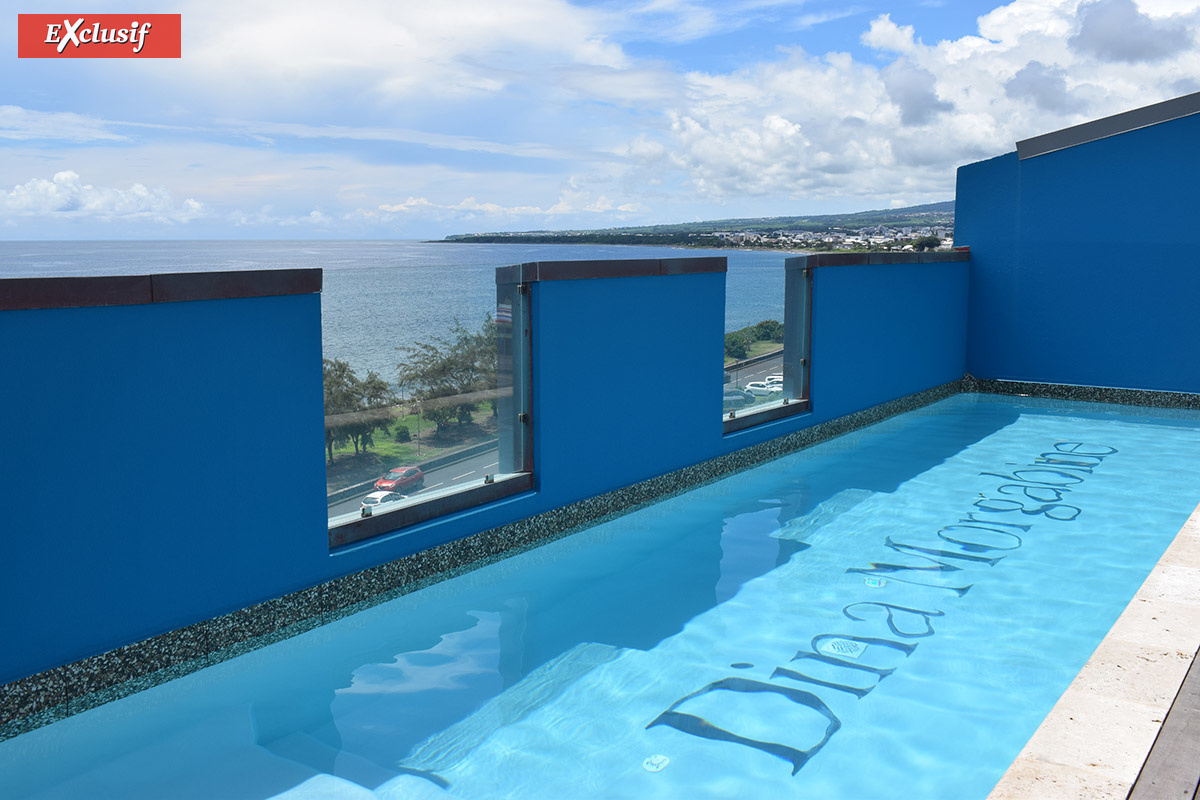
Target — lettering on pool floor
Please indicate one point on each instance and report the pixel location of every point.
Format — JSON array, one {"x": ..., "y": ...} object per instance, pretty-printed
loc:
[{"x": 995, "y": 526}]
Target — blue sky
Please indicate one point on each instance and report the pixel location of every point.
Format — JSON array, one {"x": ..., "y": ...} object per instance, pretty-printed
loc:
[{"x": 399, "y": 119}]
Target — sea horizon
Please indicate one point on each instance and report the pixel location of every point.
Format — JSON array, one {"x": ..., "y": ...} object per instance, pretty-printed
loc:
[{"x": 382, "y": 294}]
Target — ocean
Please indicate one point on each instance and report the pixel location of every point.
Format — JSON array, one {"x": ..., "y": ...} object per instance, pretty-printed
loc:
[{"x": 380, "y": 295}]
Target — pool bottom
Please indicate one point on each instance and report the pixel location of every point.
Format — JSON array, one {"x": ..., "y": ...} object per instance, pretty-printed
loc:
[
  {"x": 934, "y": 706},
  {"x": 714, "y": 667},
  {"x": 47, "y": 697}
]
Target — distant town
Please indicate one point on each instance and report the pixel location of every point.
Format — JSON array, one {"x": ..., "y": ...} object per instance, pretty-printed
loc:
[
  {"x": 878, "y": 237},
  {"x": 927, "y": 227}
]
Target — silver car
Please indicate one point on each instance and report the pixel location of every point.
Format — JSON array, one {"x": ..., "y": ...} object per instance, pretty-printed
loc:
[{"x": 372, "y": 502}]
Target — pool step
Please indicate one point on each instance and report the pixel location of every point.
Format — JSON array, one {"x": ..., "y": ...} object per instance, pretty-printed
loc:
[
  {"x": 328, "y": 787},
  {"x": 325, "y": 787},
  {"x": 540, "y": 687},
  {"x": 320, "y": 757},
  {"x": 825, "y": 512},
  {"x": 410, "y": 787}
]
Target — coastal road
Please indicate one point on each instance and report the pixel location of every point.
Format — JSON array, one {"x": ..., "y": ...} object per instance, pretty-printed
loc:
[
  {"x": 469, "y": 470},
  {"x": 755, "y": 372},
  {"x": 473, "y": 468}
]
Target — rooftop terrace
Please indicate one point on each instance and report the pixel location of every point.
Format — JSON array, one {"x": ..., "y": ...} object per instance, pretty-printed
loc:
[{"x": 127, "y": 590}]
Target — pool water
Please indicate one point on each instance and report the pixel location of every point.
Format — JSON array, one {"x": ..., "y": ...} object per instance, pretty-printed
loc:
[{"x": 891, "y": 613}]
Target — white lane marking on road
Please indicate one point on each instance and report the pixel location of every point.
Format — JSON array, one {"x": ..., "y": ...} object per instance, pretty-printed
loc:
[
  {"x": 427, "y": 488},
  {"x": 493, "y": 464},
  {"x": 465, "y": 474}
]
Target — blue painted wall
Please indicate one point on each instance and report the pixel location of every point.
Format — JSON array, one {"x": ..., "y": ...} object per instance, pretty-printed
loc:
[
  {"x": 881, "y": 332},
  {"x": 627, "y": 379},
  {"x": 1084, "y": 265},
  {"x": 168, "y": 466},
  {"x": 157, "y": 468}
]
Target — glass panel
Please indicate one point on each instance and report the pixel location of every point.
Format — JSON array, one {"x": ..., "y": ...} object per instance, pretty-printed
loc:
[
  {"x": 455, "y": 420},
  {"x": 514, "y": 379},
  {"x": 797, "y": 328},
  {"x": 754, "y": 313},
  {"x": 771, "y": 379}
]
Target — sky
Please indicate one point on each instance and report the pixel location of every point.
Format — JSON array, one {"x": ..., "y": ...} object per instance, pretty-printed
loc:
[{"x": 396, "y": 119}]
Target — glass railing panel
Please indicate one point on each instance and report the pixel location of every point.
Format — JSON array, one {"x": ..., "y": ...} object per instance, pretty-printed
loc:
[
  {"x": 452, "y": 422},
  {"x": 770, "y": 380},
  {"x": 754, "y": 308}
]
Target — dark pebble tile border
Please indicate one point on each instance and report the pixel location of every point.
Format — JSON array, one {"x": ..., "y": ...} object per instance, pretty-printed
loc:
[
  {"x": 1089, "y": 394},
  {"x": 53, "y": 695}
]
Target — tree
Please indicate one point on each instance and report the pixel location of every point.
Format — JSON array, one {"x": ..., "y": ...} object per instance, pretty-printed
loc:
[
  {"x": 736, "y": 345},
  {"x": 348, "y": 403},
  {"x": 926, "y": 243},
  {"x": 371, "y": 393},
  {"x": 444, "y": 367},
  {"x": 769, "y": 330},
  {"x": 339, "y": 399}
]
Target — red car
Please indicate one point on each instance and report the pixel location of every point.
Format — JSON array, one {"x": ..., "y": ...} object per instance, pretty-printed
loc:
[{"x": 401, "y": 478}]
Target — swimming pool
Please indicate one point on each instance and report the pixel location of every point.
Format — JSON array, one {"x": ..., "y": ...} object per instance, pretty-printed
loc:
[{"x": 890, "y": 612}]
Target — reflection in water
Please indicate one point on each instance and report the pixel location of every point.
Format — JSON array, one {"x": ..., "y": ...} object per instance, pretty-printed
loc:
[
  {"x": 424, "y": 678},
  {"x": 389, "y": 707},
  {"x": 365, "y": 704}
]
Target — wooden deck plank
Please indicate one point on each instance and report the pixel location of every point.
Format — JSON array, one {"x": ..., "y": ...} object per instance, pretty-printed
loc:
[{"x": 1172, "y": 770}]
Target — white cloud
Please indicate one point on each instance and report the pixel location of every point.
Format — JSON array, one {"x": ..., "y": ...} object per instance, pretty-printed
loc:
[
  {"x": 267, "y": 131},
  {"x": 267, "y": 217},
  {"x": 411, "y": 204},
  {"x": 633, "y": 86},
  {"x": 682, "y": 21},
  {"x": 388, "y": 49},
  {"x": 531, "y": 114},
  {"x": 24, "y": 124},
  {"x": 1116, "y": 30},
  {"x": 66, "y": 196},
  {"x": 914, "y": 91},
  {"x": 887, "y": 35},
  {"x": 573, "y": 200},
  {"x": 1044, "y": 86},
  {"x": 806, "y": 21},
  {"x": 800, "y": 126}
]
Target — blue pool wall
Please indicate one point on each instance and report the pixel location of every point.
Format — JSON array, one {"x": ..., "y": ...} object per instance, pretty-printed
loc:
[
  {"x": 169, "y": 464},
  {"x": 1084, "y": 268},
  {"x": 157, "y": 468},
  {"x": 627, "y": 371},
  {"x": 627, "y": 380},
  {"x": 882, "y": 331}
]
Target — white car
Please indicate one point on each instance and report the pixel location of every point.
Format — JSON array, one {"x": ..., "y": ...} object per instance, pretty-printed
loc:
[
  {"x": 775, "y": 379},
  {"x": 762, "y": 388},
  {"x": 372, "y": 502}
]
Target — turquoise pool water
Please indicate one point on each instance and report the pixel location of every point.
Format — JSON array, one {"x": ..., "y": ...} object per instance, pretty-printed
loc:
[{"x": 891, "y": 613}]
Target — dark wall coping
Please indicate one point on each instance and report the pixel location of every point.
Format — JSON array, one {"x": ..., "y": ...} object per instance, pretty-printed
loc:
[
  {"x": 867, "y": 259},
  {"x": 1117, "y": 124},
  {"x": 131, "y": 290},
  {"x": 608, "y": 268}
]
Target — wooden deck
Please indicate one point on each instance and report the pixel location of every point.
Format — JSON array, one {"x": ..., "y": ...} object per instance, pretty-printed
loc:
[{"x": 1172, "y": 770}]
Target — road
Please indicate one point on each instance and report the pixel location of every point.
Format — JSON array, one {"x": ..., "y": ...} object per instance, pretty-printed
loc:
[
  {"x": 756, "y": 372},
  {"x": 473, "y": 468},
  {"x": 469, "y": 470}
]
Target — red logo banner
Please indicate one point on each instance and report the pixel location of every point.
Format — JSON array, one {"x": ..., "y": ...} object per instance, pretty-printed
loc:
[{"x": 99, "y": 35}]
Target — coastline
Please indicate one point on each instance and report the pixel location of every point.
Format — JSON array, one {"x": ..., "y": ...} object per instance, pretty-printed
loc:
[{"x": 756, "y": 248}]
